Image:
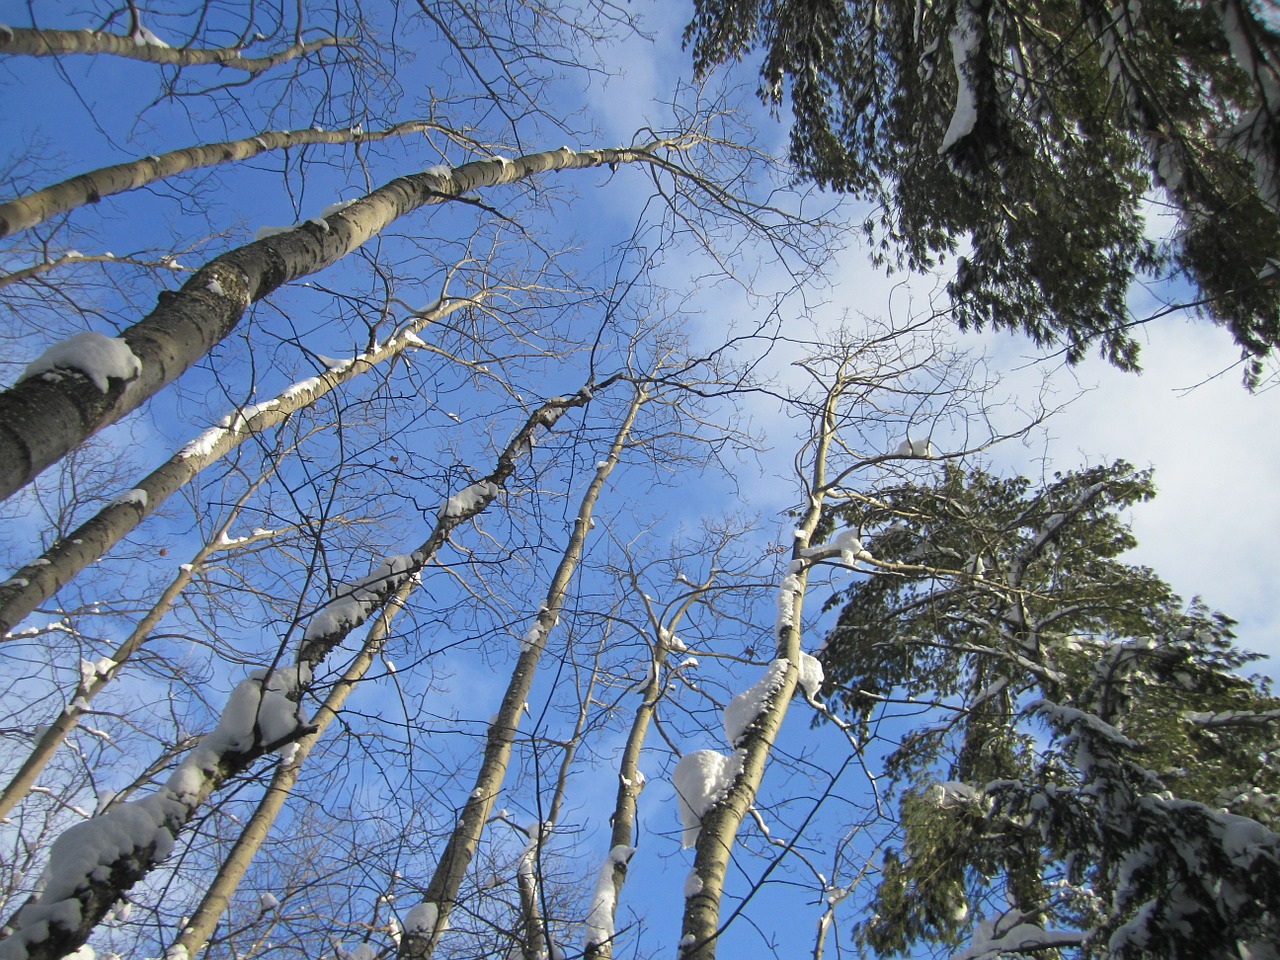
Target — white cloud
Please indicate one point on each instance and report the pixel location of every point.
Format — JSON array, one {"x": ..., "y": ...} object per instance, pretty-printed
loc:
[{"x": 1216, "y": 454}]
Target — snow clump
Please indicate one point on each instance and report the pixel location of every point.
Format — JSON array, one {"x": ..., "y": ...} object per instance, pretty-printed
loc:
[
  {"x": 914, "y": 448},
  {"x": 692, "y": 885},
  {"x": 354, "y": 601},
  {"x": 701, "y": 779},
  {"x": 964, "y": 41},
  {"x": 746, "y": 706},
  {"x": 811, "y": 676},
  {"x": 98, "y": 357},
  {"x": 469, "y": 499},
  {"x": 422, "y": 918}
]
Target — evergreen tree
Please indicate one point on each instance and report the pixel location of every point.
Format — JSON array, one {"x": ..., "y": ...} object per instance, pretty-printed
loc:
[
  {"x": 1099, "y": 776},
  {"x": 1032, "y": 132}
]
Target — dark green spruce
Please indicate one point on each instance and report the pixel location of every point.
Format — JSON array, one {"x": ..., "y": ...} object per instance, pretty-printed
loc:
[
  {"x": 1080, "y": 108},
  {"x": 1094, "y": 764}
]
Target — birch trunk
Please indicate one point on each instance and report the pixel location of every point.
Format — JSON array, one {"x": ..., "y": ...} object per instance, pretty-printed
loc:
[
  {"x": 630, "y": 780},
  {"x": 26, "y": 41},
  {"x": 721, "y": 823},
  {"x": 25, "y": 212},
  {"x": 45, "y": 575},
  {"x": 42, "y": 418},
  {"x": 419, "y": 941}
]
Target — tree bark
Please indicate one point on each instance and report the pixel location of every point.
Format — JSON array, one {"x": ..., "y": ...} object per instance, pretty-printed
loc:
[
  {"x": 26, "y": 41},
  {"x": 44, "y": 417},
  {"x": 26, "y": 211}
]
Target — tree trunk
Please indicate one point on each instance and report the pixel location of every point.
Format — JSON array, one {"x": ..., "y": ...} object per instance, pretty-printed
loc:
[
  {"x": 25, "y": 41},
  {"x": 25, "y": 212},
  {"x": 44, "y": 417},
  {"x": 720, "y": 823},
  {"x": 419, "y": 942}
]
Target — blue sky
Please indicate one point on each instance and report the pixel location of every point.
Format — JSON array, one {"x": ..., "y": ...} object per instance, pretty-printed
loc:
[{"x": 1215, "y": 449}]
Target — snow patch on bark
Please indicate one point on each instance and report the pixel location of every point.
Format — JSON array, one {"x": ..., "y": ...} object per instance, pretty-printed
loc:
[
  {"x": 421, "y": 919},
  {"x": 599, "y": 925},
  {"x": 811, "y": 676},
  {"x": 98, "y": 357},
  {"x": 743, "y": 709},
  {"x": 701, "y": 780}
]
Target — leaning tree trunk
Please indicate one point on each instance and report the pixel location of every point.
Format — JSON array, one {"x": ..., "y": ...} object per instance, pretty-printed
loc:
[
  {"x": 45, "y": 416},
  {"x": 428, "y": 920},
  {"x": 22, "y": 213},
  {"x": 131, "y": 839},
  {"x": 26, "y": 41},
  {"x": 195, "y": 933}
]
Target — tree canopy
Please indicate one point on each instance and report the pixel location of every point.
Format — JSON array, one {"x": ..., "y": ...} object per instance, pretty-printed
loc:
[
  {"x": 1094, "y": 776},
  {"x": 1034, "y": 142}
]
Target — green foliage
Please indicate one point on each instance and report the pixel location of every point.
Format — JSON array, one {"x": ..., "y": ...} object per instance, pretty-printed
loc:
[
  {"x": 1079, "y": 108},
  {"x": 1094, "y": 752}
]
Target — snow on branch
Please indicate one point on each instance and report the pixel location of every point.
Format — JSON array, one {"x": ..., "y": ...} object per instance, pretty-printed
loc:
[
  {"x": 964, "y": 43},
  {"x": 1067, "y": 718},
  {"x": 355, "y": 601},
  {"x": 845, "y": 545},
  {"x": 92, "y": 864},
  {"x": 1010, "y": 933}
]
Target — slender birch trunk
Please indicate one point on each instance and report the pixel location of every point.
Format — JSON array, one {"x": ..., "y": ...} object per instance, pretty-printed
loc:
[
  {"x": 90, "y": 686},
  {"x": 427, "y": 921},
  {"x": 44, "y": 417},
  {"x": 631, "y": 782},
  {"x": 533, "y": 945},
  {"x": 195, "y": 934},
  {"x": 132, "y": 838},
  {"x": 26, "y": 211},
  {"x": 26, "y": 41},
  {"x": 722, "y": 821},
  {"x": 45, "y": 575}
]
